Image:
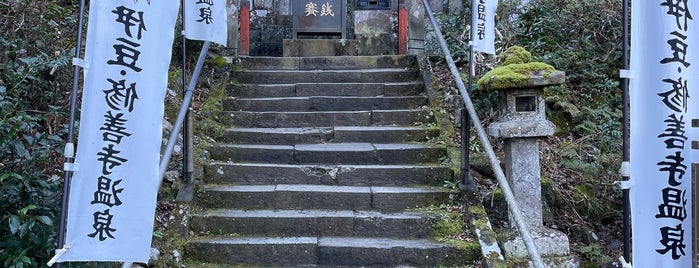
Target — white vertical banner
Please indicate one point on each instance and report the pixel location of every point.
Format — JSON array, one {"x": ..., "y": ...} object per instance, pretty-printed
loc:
[
  {"x": 206, "y": 20},
  {"x": 483, "y": 25},
  {"x": 114, "y": 189},
  {"x": 664, "y": 92}
]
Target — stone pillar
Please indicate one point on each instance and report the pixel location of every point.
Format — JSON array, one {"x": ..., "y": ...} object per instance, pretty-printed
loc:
[
  {"x": 416, "y": 26},
  {"x": 373, "y": 31},
  {"x": 522, "y": 171},
  {"x": 232, "y": 45}
]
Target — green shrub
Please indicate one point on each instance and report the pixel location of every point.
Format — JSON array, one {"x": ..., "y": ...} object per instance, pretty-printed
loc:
[{"x": 35, "y": 80}]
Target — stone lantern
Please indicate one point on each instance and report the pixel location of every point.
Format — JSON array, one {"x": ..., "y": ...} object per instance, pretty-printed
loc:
[{"x": 522, "y": 122}]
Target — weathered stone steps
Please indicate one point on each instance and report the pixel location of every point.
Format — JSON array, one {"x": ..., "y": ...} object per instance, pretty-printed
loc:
[
  {"x": 324, "y": 103},
  {"x": 249, "y": 119},
  {"x": 327, "y": 63},
  {"x": 335, "y": 76},
  {"x": 328, "y": 153},
  {"x": 354, "y": 89},
  {"x": 322, "y": 223},
  {"x": 328, "y": 197},
  {"x": 324, "y": 164},
  {"x": 329, "y": 251},
  {"x": 349, "y": 175},
  {"x": 338, "y": 134}
]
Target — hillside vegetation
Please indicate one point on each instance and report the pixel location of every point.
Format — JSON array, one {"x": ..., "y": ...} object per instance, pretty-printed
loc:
[{"x": 580, "y": 162}]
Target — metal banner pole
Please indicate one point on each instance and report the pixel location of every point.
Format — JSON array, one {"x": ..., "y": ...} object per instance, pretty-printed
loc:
[
  {"x": 185, "y": 128},
  {"x": 695, "y": 210},
  {"x": 626, "y": 213},
  {"x": 69, "y": 150}
]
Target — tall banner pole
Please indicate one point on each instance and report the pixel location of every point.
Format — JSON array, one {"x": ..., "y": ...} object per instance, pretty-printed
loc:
[
  {"x": 69, "y": 150},
  {"x": 664, "y": 97},
  {"x": 185, "y": 128},
  {"x": 625, "y": 172},
  {"x": 483, "y": 40}
]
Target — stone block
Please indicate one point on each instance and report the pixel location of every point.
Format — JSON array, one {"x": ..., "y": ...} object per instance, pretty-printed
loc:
[
  {"x": 375, "y": 44},
  {"x": 274, "y": 33},
  {"x": 569, "y": 261},
  {"x": 267, "y": 49},
  {"x": 259, "y": 17},
  {"x": 416, "y": 47},
  {"x": 286, "y": 21},
  {"x": 372, "y": 22},
  {"x": 373, "y": 30},
  {"x": 521, "y": 129},
  {"x": 263, "y": 4},
  {"x": 284, "y": 7},
  {"x": 549, "y": 243},
  {"x": 319, "y": 47},
  {"x": 278, "y": 251},
  {"x": 399, "y": 198}
]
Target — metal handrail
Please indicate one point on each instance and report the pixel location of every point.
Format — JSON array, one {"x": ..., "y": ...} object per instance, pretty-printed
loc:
[{"x": 494, "y": 162}]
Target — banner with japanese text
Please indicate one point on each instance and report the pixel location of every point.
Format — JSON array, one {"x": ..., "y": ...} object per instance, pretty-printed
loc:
[
  {"x": 206, "y": 20},
  {"x": 664, "y": 92},
  {"x": 114, "y": 189},
  {"x": 483, "y": 25}
]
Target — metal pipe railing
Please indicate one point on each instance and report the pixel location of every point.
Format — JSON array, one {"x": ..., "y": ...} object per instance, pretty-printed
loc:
[
  {"x": 165, "y": 159},
  {"x": 494, "y": 162}
]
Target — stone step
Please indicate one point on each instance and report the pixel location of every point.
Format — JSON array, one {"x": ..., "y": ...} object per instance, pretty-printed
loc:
[
  {"x": 313, "y": 223},
  {"x": 328, "y": 119},
  {"x": 324, "y": 103},
  {"x": 256, "y": 251},
  {"x": 327, "y": 251},
  {"x": 308, "y": 135},
  {"x": 328, "y": 63},
  {"x": 382, "y": 252},
  {"x": 325, "y": 76},
  {"x": 303, "y": 196},
  {"x": 348, "y": 175},
  {"x": 329, "y": 153},
  {"x": 409, "y": 88}
]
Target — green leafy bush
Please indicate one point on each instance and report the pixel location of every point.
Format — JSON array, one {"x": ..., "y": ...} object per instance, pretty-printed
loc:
[{"x": 35, "y": 80}]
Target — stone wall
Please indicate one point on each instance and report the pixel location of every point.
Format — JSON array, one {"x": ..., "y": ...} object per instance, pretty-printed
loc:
[{"x": 271, "y": 23}]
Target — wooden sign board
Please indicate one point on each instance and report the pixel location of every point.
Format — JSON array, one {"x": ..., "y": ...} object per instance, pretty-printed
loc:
[{"x": 319, "y": 16}]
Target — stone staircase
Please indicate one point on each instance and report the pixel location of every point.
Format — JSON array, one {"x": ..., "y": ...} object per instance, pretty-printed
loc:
[{"x": 324, "y": 164}]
